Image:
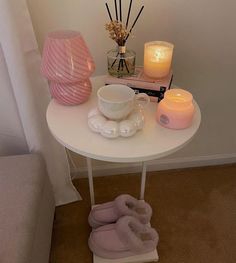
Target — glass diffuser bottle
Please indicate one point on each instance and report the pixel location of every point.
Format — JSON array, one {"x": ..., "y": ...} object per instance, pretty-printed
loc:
[{"x": 121, "y": 62}]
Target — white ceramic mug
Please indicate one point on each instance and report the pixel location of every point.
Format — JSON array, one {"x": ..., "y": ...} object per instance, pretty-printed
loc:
[{"x": 116, "y": 101}]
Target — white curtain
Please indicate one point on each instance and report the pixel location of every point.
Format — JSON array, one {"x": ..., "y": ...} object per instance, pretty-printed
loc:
[{"x": 30, "y": 90}]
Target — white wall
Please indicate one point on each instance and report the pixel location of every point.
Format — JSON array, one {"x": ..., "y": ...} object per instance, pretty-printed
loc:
[
  {"x": 204, "y": 61},
  {"x": 12, "y": 139}
]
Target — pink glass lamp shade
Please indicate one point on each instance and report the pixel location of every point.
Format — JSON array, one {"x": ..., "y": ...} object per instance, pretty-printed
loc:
[
  {"x": 67, "y": 64},
  {"x": 176, "y": 110}
]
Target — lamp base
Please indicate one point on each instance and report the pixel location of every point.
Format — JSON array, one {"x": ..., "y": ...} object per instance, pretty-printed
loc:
[{"x": 71, "y": 93}]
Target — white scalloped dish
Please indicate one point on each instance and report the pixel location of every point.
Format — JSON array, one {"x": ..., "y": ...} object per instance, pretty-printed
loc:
[{"x": 113, "y": 129}]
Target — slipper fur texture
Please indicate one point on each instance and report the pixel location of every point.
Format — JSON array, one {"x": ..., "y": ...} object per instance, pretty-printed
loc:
[
  {"x": 123, "y": 205},
  {"x": 127, "y": 237}
]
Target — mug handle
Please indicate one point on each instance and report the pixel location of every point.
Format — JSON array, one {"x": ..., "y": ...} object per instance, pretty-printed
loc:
[{"x": 142, "y": 100}]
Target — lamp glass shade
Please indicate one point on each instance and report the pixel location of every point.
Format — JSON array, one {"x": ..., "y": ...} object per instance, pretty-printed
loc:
[
  {"x": 66, "y": 57},
  {"x": 67, "y": 64}
]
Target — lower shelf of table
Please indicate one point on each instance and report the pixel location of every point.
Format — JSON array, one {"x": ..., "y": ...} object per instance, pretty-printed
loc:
[{"x": 148, "y": 257}]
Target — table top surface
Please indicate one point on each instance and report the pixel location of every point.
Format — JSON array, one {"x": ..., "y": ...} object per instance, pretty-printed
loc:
[{"x": 68, "y": 124}]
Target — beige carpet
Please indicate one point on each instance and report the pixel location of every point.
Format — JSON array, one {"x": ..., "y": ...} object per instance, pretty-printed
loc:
[{"x": 194, "y": 213}]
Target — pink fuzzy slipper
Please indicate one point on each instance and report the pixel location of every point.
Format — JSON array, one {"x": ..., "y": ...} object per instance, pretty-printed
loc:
[
  {"x": 123, "y": 205},
  {"x": 127, "y": 237}
]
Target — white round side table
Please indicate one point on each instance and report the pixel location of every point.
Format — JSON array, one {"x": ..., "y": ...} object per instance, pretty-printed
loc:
[{"x": 68, "y": 124}]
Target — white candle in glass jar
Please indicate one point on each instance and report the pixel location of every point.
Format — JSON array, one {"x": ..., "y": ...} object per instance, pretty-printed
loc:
[{"x": 157, "y": 59}]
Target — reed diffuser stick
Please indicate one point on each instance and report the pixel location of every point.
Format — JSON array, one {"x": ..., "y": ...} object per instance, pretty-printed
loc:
[
  {"x": 127, "y": 21},
  {"x": 126, "y": 66},
  {"x": 109, "y": 13},
  {"x": 116, "y": 10},
  {"x": 135, "y": 21},
  {"x": 120, "y": 12}
]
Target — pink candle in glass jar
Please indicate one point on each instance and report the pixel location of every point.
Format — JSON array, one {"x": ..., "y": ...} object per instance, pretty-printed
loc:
[{"x": 176, "y": 110}]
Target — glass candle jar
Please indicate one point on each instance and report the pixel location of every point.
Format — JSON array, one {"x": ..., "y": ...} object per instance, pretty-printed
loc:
[
  {"x": 176, "y": 110},
  {"x": 157, "y": 59}
]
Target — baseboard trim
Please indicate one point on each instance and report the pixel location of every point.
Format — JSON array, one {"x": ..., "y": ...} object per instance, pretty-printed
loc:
[{"x": 156, "y": 165}]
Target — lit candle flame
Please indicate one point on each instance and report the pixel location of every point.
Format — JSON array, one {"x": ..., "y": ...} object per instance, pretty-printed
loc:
[{"x": 159, "y": 54}]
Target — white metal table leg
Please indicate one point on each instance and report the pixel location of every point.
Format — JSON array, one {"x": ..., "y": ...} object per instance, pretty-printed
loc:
[
  {"x": 143, "y": 181},
  {"x": 90, "y": 178}
]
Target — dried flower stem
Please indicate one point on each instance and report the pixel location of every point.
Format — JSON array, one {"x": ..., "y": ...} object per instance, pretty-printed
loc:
[{"x": 117, "y": 32}]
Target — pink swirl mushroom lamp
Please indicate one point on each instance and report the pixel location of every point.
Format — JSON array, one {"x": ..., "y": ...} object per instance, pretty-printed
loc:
[{"x": 67, "y": 64}]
